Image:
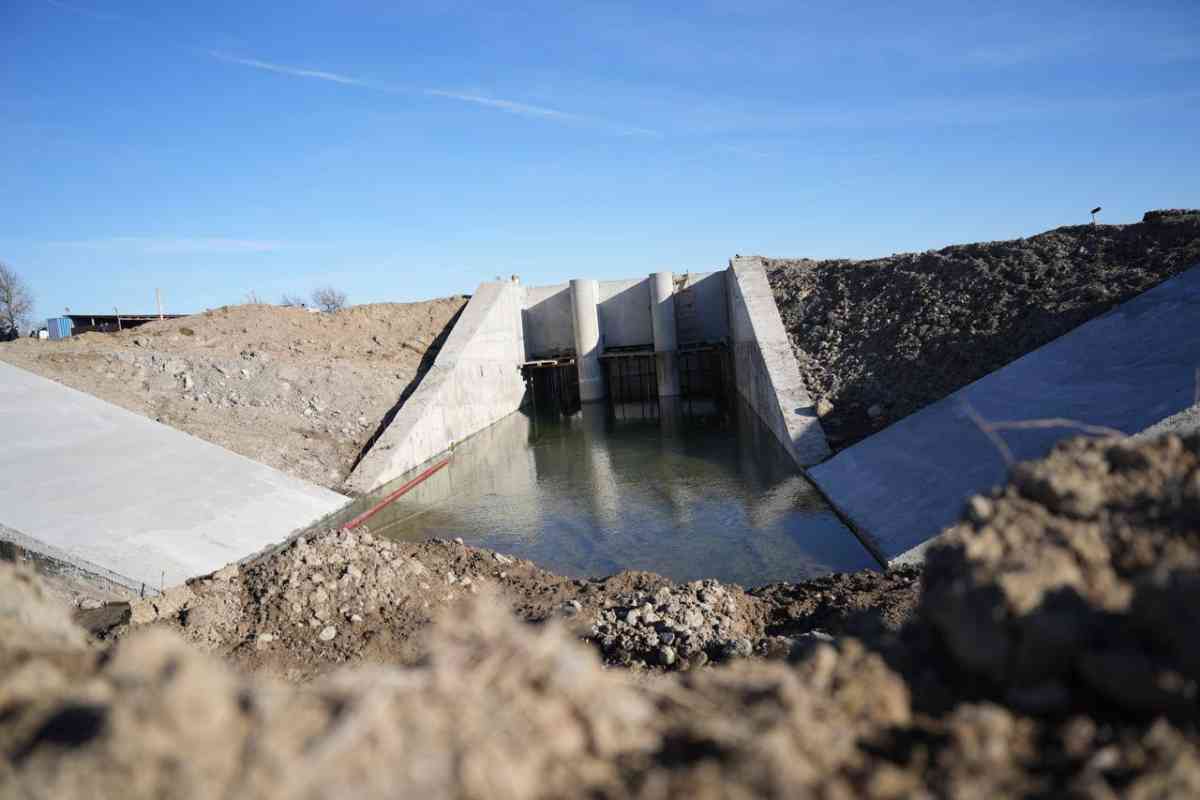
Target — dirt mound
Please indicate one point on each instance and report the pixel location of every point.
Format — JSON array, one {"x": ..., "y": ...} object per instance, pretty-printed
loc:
[
  {"x": 300, "y": 391},
  {"x": 877, "y": 340},
  {"x": 336, "y": 597},
  {"x": 1053, "y": 653},
  {"x": 498, "y": 710},
  {"x": 1079, "y": 584},
  {"x": 502, "y": 709},
  {"x": 865, "y": 604}
]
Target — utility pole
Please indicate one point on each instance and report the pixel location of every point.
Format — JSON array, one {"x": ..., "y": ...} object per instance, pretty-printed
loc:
[
  {"x": 118, "y": 313},
  {"x": 158, "y": 301}
]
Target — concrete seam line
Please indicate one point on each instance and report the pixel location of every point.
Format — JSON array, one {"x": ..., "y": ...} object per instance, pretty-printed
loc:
[{"x": 863, "y": 539}]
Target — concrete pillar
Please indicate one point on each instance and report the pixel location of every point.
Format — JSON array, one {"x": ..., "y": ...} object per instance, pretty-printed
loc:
[
  {"x": 585, "y": 296},
  {"x": 666, "y": 345}
]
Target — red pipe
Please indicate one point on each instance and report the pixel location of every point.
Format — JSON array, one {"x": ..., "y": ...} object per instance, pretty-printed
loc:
[{"x": 391, "y": 498}]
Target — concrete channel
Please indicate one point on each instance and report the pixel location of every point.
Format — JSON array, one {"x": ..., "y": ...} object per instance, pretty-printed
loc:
[
  {"x": 122, "y": 497},
  {"x": 664, "y": 335}
]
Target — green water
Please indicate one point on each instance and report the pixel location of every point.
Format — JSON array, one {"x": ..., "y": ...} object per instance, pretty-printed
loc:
[{"x": 588, "y": 495}]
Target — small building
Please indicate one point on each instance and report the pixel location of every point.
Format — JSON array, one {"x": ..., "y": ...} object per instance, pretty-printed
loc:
[
  {"x": 74, "y": 324},
  {"x": 59, "y": 328}
]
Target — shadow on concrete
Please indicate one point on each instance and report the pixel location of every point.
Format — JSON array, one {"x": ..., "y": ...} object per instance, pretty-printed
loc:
[
  {"x": 427, "y": 362},
  {"x": 625, "y": 315}
]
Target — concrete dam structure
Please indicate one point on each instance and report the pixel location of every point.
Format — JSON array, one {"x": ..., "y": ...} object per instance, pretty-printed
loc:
[{"x": 621, "y": 342}]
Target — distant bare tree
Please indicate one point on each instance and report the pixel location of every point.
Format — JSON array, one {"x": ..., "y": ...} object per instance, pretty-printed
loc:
[
  {"x": 291, "y": 301},
  {"x": 16, "y": 300},
  {"x": 252, "y": 298},
  {"x": 328, "y": 299}
]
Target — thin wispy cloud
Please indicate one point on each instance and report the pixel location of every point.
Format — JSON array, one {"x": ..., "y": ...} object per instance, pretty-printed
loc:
[
  {"x": 149, "y": 245},
  {"x": 497, "y": 103},
  {"x": 297, "y": 72},
  {"x": 505, "y": 105}
]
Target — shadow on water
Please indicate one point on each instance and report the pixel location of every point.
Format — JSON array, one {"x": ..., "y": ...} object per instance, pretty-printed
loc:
[{"x": 588, "y": 494}]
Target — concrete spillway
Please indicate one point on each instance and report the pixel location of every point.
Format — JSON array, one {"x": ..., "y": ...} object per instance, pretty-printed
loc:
[{"x": 638, "y": 336}]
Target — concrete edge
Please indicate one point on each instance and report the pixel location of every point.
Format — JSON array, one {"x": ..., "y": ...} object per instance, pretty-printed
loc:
[
  {"x": 1182, "y": 423},
  {"x": 421, "y": 426},
  {"x": 66, "y": 561},
  {"x": 802, "y": 436}
]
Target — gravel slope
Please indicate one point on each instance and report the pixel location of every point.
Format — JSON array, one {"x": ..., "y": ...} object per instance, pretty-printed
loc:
[{"x": 877, "y": 340}]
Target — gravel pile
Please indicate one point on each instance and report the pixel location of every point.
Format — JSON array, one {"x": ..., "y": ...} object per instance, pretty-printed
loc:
[
  {"x": 877, "y": 340},
  {"x": 335, "y": 596},
  {"x": 678, "y": 627}
]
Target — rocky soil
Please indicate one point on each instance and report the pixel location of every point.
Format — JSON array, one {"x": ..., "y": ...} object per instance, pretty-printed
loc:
[
  {"x": 877, "y": 340},
  {"x": 335, "y": 597},
  {"x": 986, "y": 692},
  {"x": 300, "y": 391},
  {"x": 1052, "y": 654}
]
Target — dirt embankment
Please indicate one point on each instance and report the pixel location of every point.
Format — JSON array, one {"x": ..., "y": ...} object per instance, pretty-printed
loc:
[
  {"x": 299, "y": 391},
  {"x": 1052, "y": 654},
  {"x": 336, "y": 597},
  {"x": 877, "y": 340}
]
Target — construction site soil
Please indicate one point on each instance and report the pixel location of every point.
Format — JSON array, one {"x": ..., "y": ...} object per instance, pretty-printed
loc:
[
  {"x": 1052, "y": 652},
  {"x": 1046, "y": 649},
  {"x": 302, "y": 392},
  {"x": 877, "y": 340}
]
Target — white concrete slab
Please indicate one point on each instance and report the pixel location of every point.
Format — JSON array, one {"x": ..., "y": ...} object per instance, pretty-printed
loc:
[
  {"x": 765, "y": 369},
  {"x": 89, "y": 482},
  {"x": 1125, "y": 370}
]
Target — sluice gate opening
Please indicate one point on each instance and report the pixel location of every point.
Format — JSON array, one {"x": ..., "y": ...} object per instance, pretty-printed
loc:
[
  {"x": 631, "y": 383},
  {"x": 552, "y": 385}
]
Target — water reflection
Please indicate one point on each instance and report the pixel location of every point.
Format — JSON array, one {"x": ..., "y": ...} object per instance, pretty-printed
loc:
[{"x": 591, "y": 494}]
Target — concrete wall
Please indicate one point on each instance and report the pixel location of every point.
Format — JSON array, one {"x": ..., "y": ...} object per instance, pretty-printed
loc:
[
  {"x": 625, "y": 318},
  {"x": 547, "y": 320},
  {"x": 765, "y": 370},
  {"x": 110, "y": 491},
  {"x": 475, "y": 382},
  {"x": 625, "y": 313},
  {"x": 701, "y": 310},
  {"x": 1125, "y": 370}
]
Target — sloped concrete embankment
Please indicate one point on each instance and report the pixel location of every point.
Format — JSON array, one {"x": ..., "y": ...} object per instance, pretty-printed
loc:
[
  {"x": 1125, "y": 370},
  {"x": 475, "y": 382},
  {"x": 765, "y": 370},
  {"x": 116, "y": 494}
]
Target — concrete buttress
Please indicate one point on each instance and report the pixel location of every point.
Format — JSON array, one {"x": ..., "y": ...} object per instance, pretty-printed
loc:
[
  {"x": 666, "y": 344},
  {"x": 585, "y": 314}
]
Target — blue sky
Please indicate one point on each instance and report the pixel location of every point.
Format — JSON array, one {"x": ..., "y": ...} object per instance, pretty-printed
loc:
[{"x": 409, "y": 150}]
